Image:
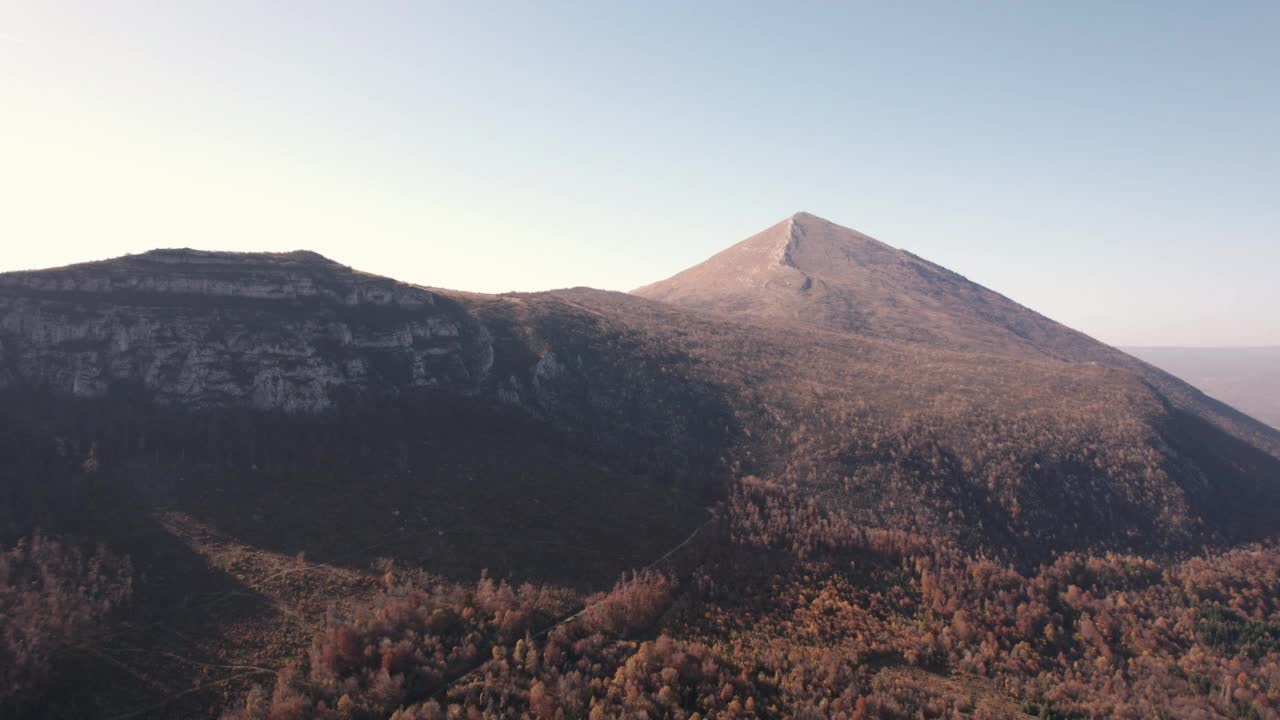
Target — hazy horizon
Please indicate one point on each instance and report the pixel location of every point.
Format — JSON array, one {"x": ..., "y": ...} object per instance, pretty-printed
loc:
[
  {"x": 1127, "y": 348},
  {"x": 1111, "y": 167},
  {"x": 1247, "y": 378}
]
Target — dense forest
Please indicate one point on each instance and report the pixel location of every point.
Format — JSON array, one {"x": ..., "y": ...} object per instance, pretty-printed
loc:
[
  {"x": 794, "y": 613},
  {"x": 777, "y": 606},
  {"x": 780, "y": 609}
]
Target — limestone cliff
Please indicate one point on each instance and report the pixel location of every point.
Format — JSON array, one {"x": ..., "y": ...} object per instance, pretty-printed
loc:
[
  {"x": 287, "y": 331},
  {"x": 300, "y": 334}
]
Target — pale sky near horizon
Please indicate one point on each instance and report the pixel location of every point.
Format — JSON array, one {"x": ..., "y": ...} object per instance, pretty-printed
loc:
[{"x": 1115, "y": 166}]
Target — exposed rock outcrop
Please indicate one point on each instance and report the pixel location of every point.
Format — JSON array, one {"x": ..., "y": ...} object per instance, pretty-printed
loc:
[
  {"x": 284, "y": 332},
  {"x": 301, "y": 334}
]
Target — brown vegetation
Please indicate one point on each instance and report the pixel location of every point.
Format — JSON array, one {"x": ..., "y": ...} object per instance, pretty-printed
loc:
[
  {"x": 425, "y": 637},
  {"x": 51, "y": 597},
  {"x": 926, "y": 524},
  {"x": 778, "y": 625}
]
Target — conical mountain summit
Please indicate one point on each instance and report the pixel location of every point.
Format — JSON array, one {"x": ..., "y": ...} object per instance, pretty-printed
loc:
[{"x": 809, "y": 272}]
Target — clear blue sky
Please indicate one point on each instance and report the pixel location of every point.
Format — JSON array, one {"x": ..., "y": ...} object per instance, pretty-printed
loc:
[{"x": 1113, "y": 165}]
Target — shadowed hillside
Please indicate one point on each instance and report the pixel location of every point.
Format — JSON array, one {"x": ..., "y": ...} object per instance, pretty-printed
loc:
[{"x": 990, "y": 450}]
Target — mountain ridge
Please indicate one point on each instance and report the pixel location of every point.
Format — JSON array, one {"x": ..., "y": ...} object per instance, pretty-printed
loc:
[
  {"x": 213, "y": 332},
  {"x": 177, "y": 405}
]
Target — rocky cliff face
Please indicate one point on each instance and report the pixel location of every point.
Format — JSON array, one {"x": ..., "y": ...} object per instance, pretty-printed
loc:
[
  {"x": 289, "y": 332},
  {"x": 300, "y": 334}
]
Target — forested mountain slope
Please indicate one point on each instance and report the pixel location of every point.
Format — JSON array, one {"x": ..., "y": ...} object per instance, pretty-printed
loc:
[
  {"x": 1007, "y": 448},
  {"x": 275, "y": 438},
  {"x": 806, "y": 271}
]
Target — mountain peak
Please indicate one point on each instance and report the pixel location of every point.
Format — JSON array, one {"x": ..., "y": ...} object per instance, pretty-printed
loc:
[
  {"x": 808, "y": 219},
  {"x": 804, "y": 269},
  {"x": 809, "y": 271},
  {"x": 821, "y": 247}
]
